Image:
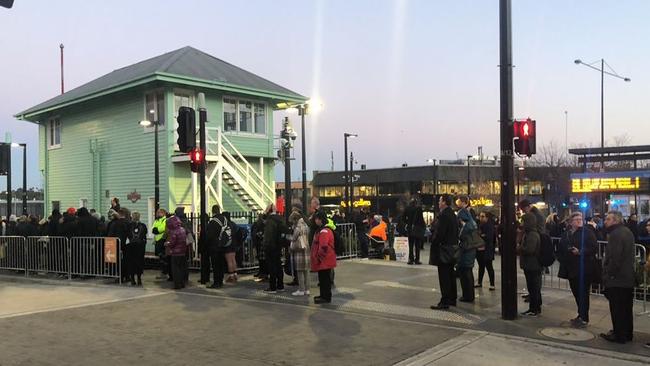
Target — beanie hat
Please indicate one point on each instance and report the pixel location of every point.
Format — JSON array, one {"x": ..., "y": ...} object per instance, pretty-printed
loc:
[{"x": 71, "y": 211}]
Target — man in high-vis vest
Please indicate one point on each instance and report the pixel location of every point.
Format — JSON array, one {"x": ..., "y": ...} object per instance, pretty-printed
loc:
[{"x": 159, "y": 235}]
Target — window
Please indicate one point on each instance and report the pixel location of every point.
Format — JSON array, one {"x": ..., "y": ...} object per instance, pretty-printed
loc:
[
  {"x": 54, "y": 133},
  {"x": 229, "y": 115},
  {"x": 154, "y": 107},
  {"x": 331, "y": 192},
  {"x": 244, "y": 116}
]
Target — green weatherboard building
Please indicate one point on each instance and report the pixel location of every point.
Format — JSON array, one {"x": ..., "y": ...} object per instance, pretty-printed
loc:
[{"x": 92, "y": 147}]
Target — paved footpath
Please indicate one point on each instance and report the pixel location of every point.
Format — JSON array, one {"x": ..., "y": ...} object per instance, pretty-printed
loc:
[{"x": 380, "y": 316}]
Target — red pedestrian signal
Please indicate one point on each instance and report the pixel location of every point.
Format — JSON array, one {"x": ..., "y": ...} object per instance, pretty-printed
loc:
[
  {"x": 524, "y": 133},
  {"x": 197, "y": 159}
]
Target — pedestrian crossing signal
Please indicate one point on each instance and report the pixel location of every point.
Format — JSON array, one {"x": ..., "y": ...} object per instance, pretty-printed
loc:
[
  {"x": 197, "y": 159},
  {"x": 525, "y": 136}
]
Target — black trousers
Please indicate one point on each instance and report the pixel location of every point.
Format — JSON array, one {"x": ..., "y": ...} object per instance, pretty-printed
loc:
[
  {"x": 325, "y": 284},
  {"x": 218, "y": 267},
  {"x": 466, "y": 276},
  {"x": 447, "y": 278},
  {"x": 621, "y": 302},
  {"x": 205, "y": 266},
  {"x": 414, "y": 248},
  {"x": 363, "y": 243},
  {"x": 274, "y": 264},
  {"x": 534, "y": 285},
  {"x": 484, "y": 264},
  {"x": 179, "y": 269},
  {"x": 581, "y": 295}
]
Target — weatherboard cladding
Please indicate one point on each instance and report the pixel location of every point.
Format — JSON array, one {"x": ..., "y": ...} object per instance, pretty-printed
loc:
[{"x": 186, "y": 62}]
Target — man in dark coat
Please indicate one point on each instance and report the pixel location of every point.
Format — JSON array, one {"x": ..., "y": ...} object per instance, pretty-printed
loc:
[
  {"x": 274, "y": 229},
  {"x": 415, "y": 228},
  {"x": 485, "y": 255},
  {"x": 136, "y": 248},
  {"x": 577, "y": 255},
  {"x": 68, "y": 224},
  {"x": 120, "y": 229},
  {"x": 257, "y": 237},
  {"x": 443, "y": 253},
  {"x": 618, "y": 277},
  {"x": 360, "y": 221},
  {"x": 529, "y": 249},
  {"x": 216, "y": 252},
  {"x": 87, "y": 226}
]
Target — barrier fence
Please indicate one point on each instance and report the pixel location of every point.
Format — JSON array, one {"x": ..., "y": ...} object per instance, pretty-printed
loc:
[{"x": 79, "y": 256}]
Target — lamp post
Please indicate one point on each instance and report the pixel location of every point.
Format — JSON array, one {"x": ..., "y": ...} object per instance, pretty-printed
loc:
[
  {"x": 287, "y": 136},
  {"x": 156, "y": 164},
  {"x": 347, "y": 135},
  {"x": 602, "y": 92},
  {"x": 469, "y": 182},
  {"x": 434, "y": 172},
  {"x": 24, "y": 146}
]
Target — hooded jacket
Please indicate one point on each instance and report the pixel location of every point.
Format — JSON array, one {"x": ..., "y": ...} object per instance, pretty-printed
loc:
[
  {"x": 176, "y": 237},
  {"x": 323, "y": 253},
  {"x": 274, "y": 228},
  {"x": 529, "y": 247}
]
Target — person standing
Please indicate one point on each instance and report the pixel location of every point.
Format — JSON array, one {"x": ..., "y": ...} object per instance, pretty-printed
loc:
[
  {"x": 159, "y": 231},
  {"x": 633, "y": 225},
  {"x": 176, "y": 246},
  {"x": 214, "y": 247},
  {"x": 300, "y": 250},
  {"x": 230, "y": 251},
  {"x": 485, "y": 254},
  {"x": 529, "y": 248},
  {"x": 360, "y": 221},
  {"x": 577, "y": 256},
  {"x": 136, "y": 248},
  {"x": 274, "y": 230},
  {"x": 120, "y": 230},
  {"x": 444, "y": 253},
  {"x": 618, "y": 278},
  {"x": 468, "y": 250},
  {"x": 257, "y": 237},
  {"x": 415, "y": 228},
  {"x": 323, "y": 258}
]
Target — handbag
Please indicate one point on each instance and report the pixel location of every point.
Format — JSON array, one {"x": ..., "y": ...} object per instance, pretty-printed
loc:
[
  {"x": 449, "y": 254},
  {"x": 472, "y": 240}
]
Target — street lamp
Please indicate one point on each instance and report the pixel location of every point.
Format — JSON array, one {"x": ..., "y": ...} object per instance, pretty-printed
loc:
[
  {"x": 311, "y": 106},
  {"x": 287, "y": 136},
  {"x": 24, "y": 146},
  {"x": 347, "y": 135},
  {"x": 469, "y": 182},
  {"x": 434, "y": 172},
  {"x": 602, "y": 93},
  {"x": 155, "y": 123}
]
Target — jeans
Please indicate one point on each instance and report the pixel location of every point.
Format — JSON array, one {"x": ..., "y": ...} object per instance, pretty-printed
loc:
[
  {"x": 466, "y": 276},
  {"x": 447, "y": 279},
  {"x": 534, "y": 285},
  {"x": 484, "y": 264},
  {"x": 581, "y": 295},
  {"x": 621, "y": 302},
  {"x": 218, "y": 264},
  {"x": 325, "y": 284},
  {"x": 414, "y": 248},
  {"x": 276, "y": 272},
  {"x": 205, "y": 266}
]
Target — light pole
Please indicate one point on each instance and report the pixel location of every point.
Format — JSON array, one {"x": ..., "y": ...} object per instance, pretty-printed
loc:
[
  {"x": 469, "y": 182},
  {"x": 287, "y": 136},
  {"x": 566, "y": 132},
  {"x": 434, "y": 172},
  {"x": 156, "y": 164},
  {"x": 347, "y": 135},
  {"x": 602, "y": 93},
  {"x": 303, "y": 109},
  {"x": 24, "y": 146}
]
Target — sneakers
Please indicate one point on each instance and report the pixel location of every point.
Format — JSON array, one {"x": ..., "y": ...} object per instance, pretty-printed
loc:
[
  {"x": 530, "y": 313},
  {"x": 270, "y": 291},
  {"x": 298, "y": 293},
  {"x": 579, "y": 323},
  {"x": 492, "y": 288},
  {"x": 307, "y": 293}
]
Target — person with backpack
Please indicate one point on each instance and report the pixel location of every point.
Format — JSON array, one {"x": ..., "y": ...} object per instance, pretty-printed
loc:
[
  {"x": 274, "y": 230},
  {"x": 528, "y": 249},
  {"x": 323, "y": 258},
  {"x": 468, "y": 238},
  {"x": 215, "y": 232},
  {"x": 577, "y": 253}
]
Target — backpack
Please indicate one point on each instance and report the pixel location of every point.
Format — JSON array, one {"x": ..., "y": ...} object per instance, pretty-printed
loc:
[
  {"x": 225, "y": 237},
  {"x": 547, "y": 251}
]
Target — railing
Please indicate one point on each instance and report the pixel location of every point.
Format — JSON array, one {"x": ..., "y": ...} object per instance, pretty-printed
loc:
[
  {"x": 348, "y": 234},
  {"x": 551, "y": 279},
  {"x": 79, "y": 256}
]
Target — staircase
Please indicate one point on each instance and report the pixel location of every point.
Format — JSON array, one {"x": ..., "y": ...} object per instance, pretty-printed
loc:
[{"x": 227, "y": 166}]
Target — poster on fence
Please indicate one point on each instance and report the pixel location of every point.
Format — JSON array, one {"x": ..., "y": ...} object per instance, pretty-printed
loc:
[
  {"x": 401, "y": 247},
  {"x": 110, "y": 250}
]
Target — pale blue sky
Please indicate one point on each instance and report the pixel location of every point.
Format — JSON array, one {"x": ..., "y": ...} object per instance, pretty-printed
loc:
[{"x": 414, "y": 78}]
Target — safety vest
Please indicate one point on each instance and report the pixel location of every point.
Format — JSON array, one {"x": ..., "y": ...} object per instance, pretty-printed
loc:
[{"x": 161, "y": 225}]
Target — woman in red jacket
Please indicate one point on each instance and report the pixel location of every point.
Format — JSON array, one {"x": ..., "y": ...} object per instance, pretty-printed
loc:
[{"x": 323, "y": 258}]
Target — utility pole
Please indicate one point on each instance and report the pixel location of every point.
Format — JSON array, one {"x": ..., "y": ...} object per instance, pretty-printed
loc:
[
  {"x": 203, "y": 117},
  {"x": 62, "y": 88},
  {"x": 508, "y": 258},
  {"x": 347, "y": 218}
]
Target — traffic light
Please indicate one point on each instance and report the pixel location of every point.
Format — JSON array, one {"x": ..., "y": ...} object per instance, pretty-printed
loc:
[
  {"x": 197, "y": 159},
  {"x": 5, "y": 155},
  {"x": 186, "y": 129},
  {"x": 524, "y": 133}
]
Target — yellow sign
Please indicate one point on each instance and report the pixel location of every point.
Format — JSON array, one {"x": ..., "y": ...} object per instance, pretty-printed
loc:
[
  {"x": 587, "y": 185},
  {"x": 482, "y": 201},
  {"x": 358, "y": 203}
]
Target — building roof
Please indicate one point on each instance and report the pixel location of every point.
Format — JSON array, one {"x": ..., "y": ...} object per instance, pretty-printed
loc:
[{"x": 186, "y": 65}]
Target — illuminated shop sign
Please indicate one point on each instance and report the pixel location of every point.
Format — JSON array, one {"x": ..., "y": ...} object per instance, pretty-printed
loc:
[
  {"x": 610, "y": 182},
  {"x": 358, "y": 203},
  {"x": 481, "y": 201}
]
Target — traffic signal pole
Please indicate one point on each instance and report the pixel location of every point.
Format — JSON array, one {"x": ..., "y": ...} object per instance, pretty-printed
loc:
[
  {"x": 203, "y": 117},
  {"x": 508, "y": 255}
]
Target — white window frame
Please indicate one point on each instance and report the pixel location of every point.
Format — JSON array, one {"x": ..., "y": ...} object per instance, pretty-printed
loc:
[
  {"x": 237, "y": 130},
  {"x": 48, "y": 134},
  {"x": 145, "y": 112}
]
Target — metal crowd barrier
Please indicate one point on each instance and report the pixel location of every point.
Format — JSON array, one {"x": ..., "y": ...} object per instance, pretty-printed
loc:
[
  {"x": 551, "y": 279},
  {"x": 79, "y": 256},
  {"x": 348, "y": 234}
]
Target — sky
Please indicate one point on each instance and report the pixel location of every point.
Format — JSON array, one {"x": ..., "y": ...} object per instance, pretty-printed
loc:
[{"x": 415, "y": 79}]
